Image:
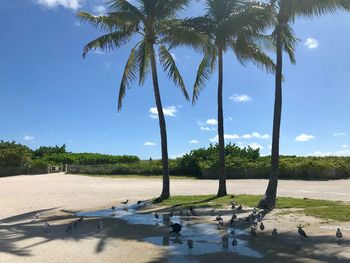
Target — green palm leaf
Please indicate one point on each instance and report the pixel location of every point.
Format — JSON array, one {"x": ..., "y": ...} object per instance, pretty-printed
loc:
[{"x": 169, "y": 65}]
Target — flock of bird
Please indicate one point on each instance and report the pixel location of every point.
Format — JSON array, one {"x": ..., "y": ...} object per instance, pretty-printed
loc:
[{"x": 255, "y": 218}]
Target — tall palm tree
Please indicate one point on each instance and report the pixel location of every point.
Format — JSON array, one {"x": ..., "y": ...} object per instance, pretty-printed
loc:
[
  {"x": 229, "y": 25},
  {"x": 153, "y": 23},
  {"x": 284, "y": 39}
]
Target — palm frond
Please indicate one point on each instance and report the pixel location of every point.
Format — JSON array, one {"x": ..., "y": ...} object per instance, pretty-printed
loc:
[
  {"x": 169, "y": 8},
  {"x": 125, "y": 6},
  {"x": 169, "y": 65},
  {"x": 129, "y": 75},
  {"x": 108, "y": 41},
  {"x": 204, "y": 71},
  {"x": 144, "y": 61}
]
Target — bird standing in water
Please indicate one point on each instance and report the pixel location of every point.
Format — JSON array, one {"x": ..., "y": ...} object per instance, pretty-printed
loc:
[
  {"x": 176, "y": 228},
  {"x": 301, "y": 232},
  {"x": 233, "y": 205},
  {"x": 190, "y": 246},
  {"x": 339, "y": 234},
  {"x": 274, "y": 233},
  {"x": 100, "y": 226},
  {"x": 46, "y": 226},
  {"x": 156, "y": 215},
  {"x": 239, "y": 208},
  {"x": 262, "y": 227},
  {"x": 234, "y": 244}
]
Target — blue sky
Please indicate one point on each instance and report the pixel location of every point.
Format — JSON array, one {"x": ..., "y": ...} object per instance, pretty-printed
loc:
[{"x": 51, "y": 95}]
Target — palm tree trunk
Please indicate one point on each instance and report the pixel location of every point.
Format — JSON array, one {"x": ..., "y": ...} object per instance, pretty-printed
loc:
[
  {"x": 222, "y": 172},
  {"x": 163, "y": 135},
  {"x": 269, "y": 200}
]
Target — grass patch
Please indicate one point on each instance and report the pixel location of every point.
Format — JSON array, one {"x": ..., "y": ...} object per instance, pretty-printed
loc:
[{"x": 324, "y": 209}]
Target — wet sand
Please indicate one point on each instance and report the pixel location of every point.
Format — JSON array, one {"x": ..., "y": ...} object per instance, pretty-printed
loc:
[{"x": 58, "y": 196}]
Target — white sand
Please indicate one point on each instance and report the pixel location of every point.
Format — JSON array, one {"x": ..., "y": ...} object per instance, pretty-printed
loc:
[{"x": 59, "y": 194}]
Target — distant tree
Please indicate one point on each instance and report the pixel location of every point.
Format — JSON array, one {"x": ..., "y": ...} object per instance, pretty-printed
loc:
[
  {"x": 284, "y": 39},
  {"x": 14, "y": 155},
  {"x": 155, "y": 24},
  {"x": 44, "y": 150}
]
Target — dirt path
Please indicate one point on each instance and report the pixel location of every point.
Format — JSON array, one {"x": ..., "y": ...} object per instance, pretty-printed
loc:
[{"x": 22, "y": 240}]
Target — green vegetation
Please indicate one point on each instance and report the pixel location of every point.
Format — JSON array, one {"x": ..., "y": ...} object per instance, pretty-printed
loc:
[{"x": 311, "y": 207}]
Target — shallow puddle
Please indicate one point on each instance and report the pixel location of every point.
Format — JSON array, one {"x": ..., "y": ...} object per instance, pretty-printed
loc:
[{"x": 207, "y": 238}]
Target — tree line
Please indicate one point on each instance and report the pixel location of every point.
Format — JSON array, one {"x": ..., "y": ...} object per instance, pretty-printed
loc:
[{"x": 237, "y": 25}]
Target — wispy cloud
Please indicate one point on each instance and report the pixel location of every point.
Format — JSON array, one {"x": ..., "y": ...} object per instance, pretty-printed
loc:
[
  {"x": 340, "y": 134},
  {"x": 311, "y": 43},
  {"x": 345, "y": 146},
  {"x": 226, "y": 137},
  {"x": 169, "y": 111},
  {"x": 28, "y": 138},
  {"x": 240, "y": 98},
  {"x": 253, "y": 135},
  {"x": 211, "y": 122},
  {"x": 337, "y": 153},
  {"x": 100, "y": 10},
  {"x": 304, "y": 137},
  {"x": 148, "y": 143},
  {"x": 193, "y": 142},
  {"x": 256, "y": 146},
  {"x": 70, "y": 4},
  {"x": 174, "y": 156}
]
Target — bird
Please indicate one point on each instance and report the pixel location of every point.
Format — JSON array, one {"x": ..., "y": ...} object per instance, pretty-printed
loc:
[
  {"x": 255, "y": 223},
  {"x": 36, "y": 216},
  {"x": 239, "y": 208},
  {"x": 176, "y": 228},
  {"x": 75, "y": 223},
  {"x": 46, "y": 226},
  {"x": 234, "y": 216},
  {"x": 254, "y": 211},
  {"x": 69, "y": 228},
  {"x": 253, "y": 232},
  {"x": 139, "y": 202},
  {"x": 125, "y": 202},
  {"x": 259, "y": 217},
  {"x": 212, "y": 212},
  {"x": 218, "y": 218},
  {"x": 301, "y": 232},
  {"x": 262, "y": 227},
  {"x": 181, "y": 213},
  {"x": 113, "y": 207},
  {"x": 188, "y": 213},
  {"x": 248, "y": 218},
  {"x": 233, "y": 232},
  {"x": 224, "y": 240},
  {"x": 221, "y": 223},
  {"x": 234, "y": 243},
  {"x": 192, "y": 212},
  {"x": 80, "y": 220},
  {"x": 339, "y": 234},
  {"x": 190, "y": 245},
  {"x": 233, "y": 205},
  {"x": 156, "y": 215},
  {"x": 100, "y": 226},
  {"x": 274, "y": 233}
]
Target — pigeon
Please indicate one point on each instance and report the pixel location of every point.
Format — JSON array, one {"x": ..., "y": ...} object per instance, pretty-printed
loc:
[
  {"x": 248, "y": 218},
  {"x": 212, "y": 212},
  {"x": 218, "y": 218},
  {"x": 69, "y": 228},
  {"x": 100, "y": 226},
  {"x": 234, "y": 243},
  {"x": 259, "y": 217},
  {"x": 239, "y": 208},
  {"x": 254, "y": 211},
  {"x": 176, "y": 228},
  {"x": 125, "y": 202},
  {"x": 139, "y": 202},
  {"x": 190, "y": 244},
  {"x": 80, "y": 220},
  {"x": 36, "y": 216},
  {"x": 46, "y": 226},
  {"x": 262, "y": 227},
  {"x": 233, "y": 205},
  {"x": 301, "y": 232},
  {"x": 339, "y": 234},
  {"x": 156, "y": 215},
  {"x": 274, "y": 233},
  {"x": 255, "y": 222},
  {"x": 192, "y": 211},
  {"x": 234, "y": 216},
  {"x": 253, "y": 232},
  {"x": 232, "y": 221}
]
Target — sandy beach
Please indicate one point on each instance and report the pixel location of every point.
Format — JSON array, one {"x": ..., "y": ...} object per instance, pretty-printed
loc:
[{"x": 58, "y": 196}]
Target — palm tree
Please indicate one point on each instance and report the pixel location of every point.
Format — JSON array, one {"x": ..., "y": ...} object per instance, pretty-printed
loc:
[
  {"x": 235, "y": 25},
  {"x": 284, "y": 39},
  {"x": 154, "y": 23}
]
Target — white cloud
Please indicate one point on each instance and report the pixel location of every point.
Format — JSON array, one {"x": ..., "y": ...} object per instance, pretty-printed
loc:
[
  {"x": 174, "y": 156},
  {"x": 28, "y": 138},
  {"x": 256, "y": 146},
  {"x": 99, "y": 52},
  {"x": 70, "y": 4},
  {"x": 147, "y": 143},
  {"x": 212, "y": 122},
  {"x": 204, "y": 128},
  {"x": 240, "y": 98},
  {"x": 270, "y": 146},
  {"x": 100, "y": 10},
  {"x": 304, "y": 137},
  {"x": 345, "y": 146},
  {"x": 340, "y": 134},
  {"x": 168, "y": 111},
  {"x": 311, "y": 43},
  {"x": 255, "y": 135},
  {"x": 193, "y": 142}
]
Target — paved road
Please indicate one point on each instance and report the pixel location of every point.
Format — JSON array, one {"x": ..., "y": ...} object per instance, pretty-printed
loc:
[{"x": 28, "y": 193}]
